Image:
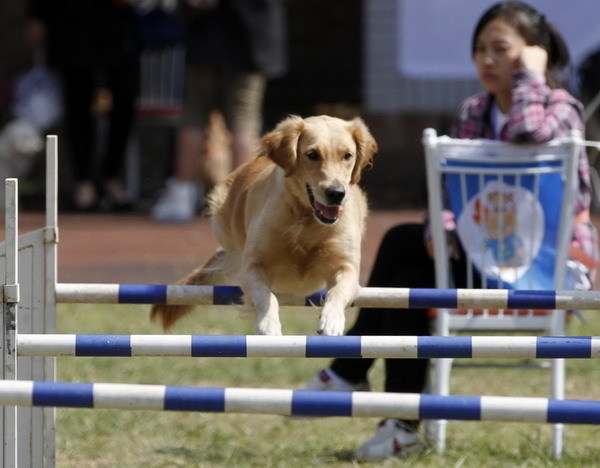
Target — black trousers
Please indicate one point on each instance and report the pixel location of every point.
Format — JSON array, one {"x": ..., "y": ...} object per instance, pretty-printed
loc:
[
  {"x": 401, "y": 262},
  {"x": 79, "y": 86}
]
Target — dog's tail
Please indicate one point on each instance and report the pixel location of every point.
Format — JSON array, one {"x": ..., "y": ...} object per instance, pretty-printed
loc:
[
  {"x": 169, "y": 314},
  {"x": 218, "y": 270}
]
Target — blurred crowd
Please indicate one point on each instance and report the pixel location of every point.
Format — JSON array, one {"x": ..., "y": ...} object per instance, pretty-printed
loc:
[
  {"x": 73, "y": 68},
  {"x": 77, "y": 69}
]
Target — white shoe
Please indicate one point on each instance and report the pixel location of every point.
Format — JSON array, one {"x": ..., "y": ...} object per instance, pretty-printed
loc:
[
  {"x": 177, "y": 204},
  {"x": 326, "y": 379},
  {"x": 391, "y": 439}
]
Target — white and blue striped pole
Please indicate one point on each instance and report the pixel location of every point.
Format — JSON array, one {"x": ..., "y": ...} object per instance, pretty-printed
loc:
[
  {"x": 298, "y": 402},
  {"x": 367, "y": 297},
  {"x": 521, "y": 347}
]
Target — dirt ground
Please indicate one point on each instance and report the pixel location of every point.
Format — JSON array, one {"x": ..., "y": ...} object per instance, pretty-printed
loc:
[{"x": 102, "y": 248}]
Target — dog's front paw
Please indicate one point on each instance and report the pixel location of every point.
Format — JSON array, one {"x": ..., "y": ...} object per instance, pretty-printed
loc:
[
  {"x": 268, "y": 326},
  {"x": 331, "y": 324}
]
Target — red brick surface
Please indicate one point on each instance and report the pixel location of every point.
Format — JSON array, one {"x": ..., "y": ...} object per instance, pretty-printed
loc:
[{"x": 134, "y": 249}]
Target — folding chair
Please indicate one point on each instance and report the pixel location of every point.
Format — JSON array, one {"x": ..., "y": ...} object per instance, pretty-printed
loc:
[
  {"x": 159, "y": 105},
  {"x": 513, "y": 206}
]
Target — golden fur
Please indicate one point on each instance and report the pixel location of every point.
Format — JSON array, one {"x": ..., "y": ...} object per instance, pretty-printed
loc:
[{"x": 291, "y": 221}]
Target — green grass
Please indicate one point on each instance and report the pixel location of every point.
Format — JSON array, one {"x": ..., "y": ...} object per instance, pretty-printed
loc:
[{"x": 106, "y": 438}]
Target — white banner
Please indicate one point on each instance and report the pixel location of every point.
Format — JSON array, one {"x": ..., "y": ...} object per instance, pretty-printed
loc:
[{"x": 435, "y": 35}]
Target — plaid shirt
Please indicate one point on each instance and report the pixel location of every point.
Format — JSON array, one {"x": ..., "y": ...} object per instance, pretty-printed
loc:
[{"x": 538, "y": 114}]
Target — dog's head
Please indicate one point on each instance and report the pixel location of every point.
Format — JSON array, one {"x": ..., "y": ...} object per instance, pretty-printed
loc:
[{"x": 322, "y": 156}]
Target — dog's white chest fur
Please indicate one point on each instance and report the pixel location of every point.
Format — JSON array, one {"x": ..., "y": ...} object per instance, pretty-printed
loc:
[{"x": 301, "y": 269}]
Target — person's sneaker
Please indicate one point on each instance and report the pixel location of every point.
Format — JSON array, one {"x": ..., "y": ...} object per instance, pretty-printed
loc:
[
  {"x": 391, "y": 439},
  {"x": 177, "y": 204},
  {"x": 326, "y": 379}
]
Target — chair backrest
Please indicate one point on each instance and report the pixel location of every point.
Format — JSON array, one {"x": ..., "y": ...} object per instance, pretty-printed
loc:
[
  {"x": 513, "y": 206},
  {"x": 161, "y": 82}
]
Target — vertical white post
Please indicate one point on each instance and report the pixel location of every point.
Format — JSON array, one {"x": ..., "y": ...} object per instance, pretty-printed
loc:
[
  {"x": 51, "y": 180},
  {"x": 49, "y": 427},
  {"x": 437, "y": 428},
  {"x": 9, "y": 323}
]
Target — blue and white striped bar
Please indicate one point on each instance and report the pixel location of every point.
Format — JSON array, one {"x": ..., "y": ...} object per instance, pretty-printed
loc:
[
  {"x": 521, "y": 347},
  {"x": 298, "y": 402},
  {"x": 368, "y": 297}
]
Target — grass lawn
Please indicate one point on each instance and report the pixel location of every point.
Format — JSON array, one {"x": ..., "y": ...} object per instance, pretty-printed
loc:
[{"x": 107, "y": 438}]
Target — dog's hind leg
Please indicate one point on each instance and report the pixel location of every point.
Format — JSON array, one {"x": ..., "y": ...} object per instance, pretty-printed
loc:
[{"x": 220, "y": 269}]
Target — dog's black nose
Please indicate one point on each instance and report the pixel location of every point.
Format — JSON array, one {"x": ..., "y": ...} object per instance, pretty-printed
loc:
[{"x": 335, "y": 194}]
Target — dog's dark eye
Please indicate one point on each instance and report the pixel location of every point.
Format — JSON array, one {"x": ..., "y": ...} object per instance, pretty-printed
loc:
[
  {"x": 312, "y": 155},
  {"x": 348, "y": 156}
]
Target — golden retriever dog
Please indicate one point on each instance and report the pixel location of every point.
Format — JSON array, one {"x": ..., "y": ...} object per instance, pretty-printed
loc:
[{"x": 291, "y": 221}]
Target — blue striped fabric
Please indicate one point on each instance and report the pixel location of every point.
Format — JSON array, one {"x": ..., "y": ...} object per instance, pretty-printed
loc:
[
  {"x": 524, "y": 165},
  {"x": 142, "y": 294}
]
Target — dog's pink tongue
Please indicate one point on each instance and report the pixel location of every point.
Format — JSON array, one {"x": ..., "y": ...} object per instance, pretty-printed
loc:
[{"x": 328, "y": 211}]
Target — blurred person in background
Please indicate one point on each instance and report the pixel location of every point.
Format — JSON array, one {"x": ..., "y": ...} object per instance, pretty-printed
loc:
[
  {"x": 16, "y": 50},
  {"x": 30, "y": 100},
  {"x": 93, "y": 44},
  {"x": 232, "y": 48}
]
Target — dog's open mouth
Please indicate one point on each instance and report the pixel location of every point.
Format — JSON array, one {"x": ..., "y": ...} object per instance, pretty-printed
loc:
[{"x": 327, "y": 214}]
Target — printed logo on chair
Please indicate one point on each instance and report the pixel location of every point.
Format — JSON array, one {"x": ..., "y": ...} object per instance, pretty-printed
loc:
[{"x": 507, "y": 231}]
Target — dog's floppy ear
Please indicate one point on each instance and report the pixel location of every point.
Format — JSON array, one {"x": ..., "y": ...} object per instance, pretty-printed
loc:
[
  {"x": 281, "y": 144},
  {"x": 366, "y": 147}
]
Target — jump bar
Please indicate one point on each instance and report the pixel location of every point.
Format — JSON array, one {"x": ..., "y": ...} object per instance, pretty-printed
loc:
[
  {"x": 521, "y": 347},
  {"x": 368, "y": 297},
  {"x": 298, "y": 402}
]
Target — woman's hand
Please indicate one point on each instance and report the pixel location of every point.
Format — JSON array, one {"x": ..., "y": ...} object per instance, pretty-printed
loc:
[
  {"x": 534, "y": 58},
  {"x": 452, "y": 246}
]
